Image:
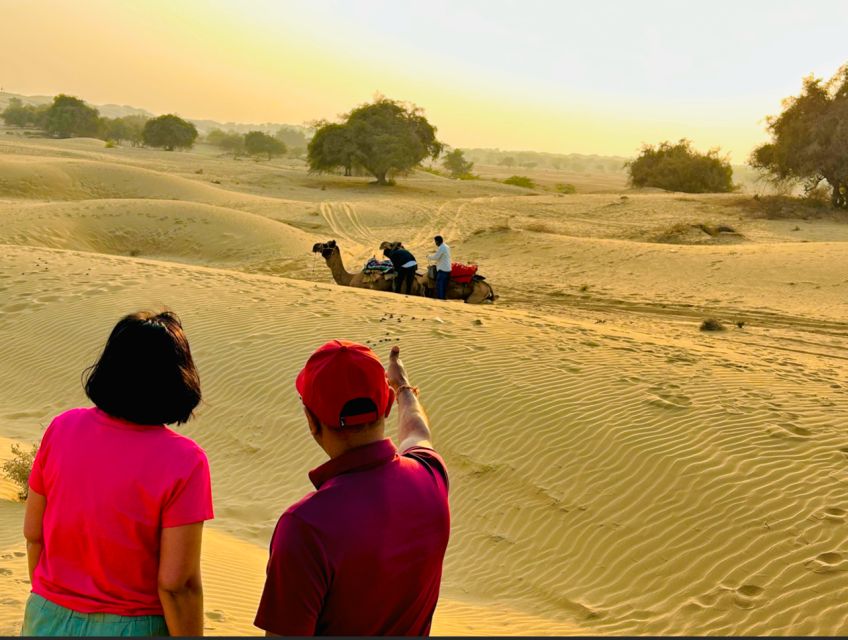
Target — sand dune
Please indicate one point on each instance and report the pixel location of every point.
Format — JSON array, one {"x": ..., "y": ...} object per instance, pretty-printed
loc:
[
  {"x": 182, "y": 231},
  {"x": 614, "y": 470}
]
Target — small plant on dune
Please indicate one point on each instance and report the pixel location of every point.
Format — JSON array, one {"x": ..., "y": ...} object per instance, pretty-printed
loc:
[
  {"x": 18, "y": 468},
  {"x": 110, "y": 144},
  {"x": 520, "y": 181},
  {"x": 711, "y": 324},
  {"x": 566, "y": 188}
]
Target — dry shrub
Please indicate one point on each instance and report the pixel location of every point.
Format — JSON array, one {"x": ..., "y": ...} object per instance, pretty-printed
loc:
[
  {"x": 18, "y": 468},
  {"x": 711, "y": 324}
]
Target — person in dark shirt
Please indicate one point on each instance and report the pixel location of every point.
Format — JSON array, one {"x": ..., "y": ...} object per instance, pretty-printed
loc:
[
  {"x": 362, "y": 554},
  {"x": 405, "y": 265}
]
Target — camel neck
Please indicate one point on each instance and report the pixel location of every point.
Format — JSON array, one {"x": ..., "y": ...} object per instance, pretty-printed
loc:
[{"x": 340, "y": 274}]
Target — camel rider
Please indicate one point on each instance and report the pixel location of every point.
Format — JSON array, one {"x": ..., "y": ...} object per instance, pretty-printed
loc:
[
  {"x": 442, "y": 257},
  {"x": 405, "y": 265}
]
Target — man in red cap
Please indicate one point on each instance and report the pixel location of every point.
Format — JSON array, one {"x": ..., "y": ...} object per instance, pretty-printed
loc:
[{"x": 362, "y": 554}]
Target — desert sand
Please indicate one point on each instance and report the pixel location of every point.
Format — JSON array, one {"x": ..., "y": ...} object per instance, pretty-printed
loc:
[{"x": 614, "y": 470}]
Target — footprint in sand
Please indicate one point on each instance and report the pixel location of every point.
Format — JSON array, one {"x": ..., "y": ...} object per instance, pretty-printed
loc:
[
  {"x": 829, "y": 562},
  {"x": 745, "y": 596},
  {"x": 216, "y": 615},
  {"x": 5, "y": 572},
  {"x": 665, "y": 400},
  {"x": 787, "y": 430},
  {"x": 834, "y": 514}
]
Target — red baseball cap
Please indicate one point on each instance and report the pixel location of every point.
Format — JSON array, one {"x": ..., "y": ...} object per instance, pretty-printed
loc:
[{"x": 344, "y": 384}]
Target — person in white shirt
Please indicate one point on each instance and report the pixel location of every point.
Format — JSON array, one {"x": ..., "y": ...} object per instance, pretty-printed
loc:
[{"x": 442, "y": 258}]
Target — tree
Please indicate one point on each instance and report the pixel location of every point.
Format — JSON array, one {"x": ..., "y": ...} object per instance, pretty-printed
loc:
[
  {"x": 456, "y": 164},
  {"x": 809, "y": 139},
  {"x": 678, "y": 167},
  {"x": 382, "y": 137},
  {"x": 331, "y": 147},
  {"x": 113, "y": 129},
  {"x": 228, "y": 141},
  {"x": 507, "y": 162},
  {"x": 18, "y": 114},
  {"x": 291, "y": 137},
  {"x": 69, "y": 116},
  {"x": 258, "y": 143},
  {"x": 170, "y": 132},
  {"x": 135, "y": 128}
]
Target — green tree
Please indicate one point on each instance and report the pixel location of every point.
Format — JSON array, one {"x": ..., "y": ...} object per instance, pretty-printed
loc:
[
  {"x": 809, "y": 139},
  {"x": 678, "y": 167},
  {"x": 113, "y": 129},
  {"x": 456, "y": 164},
  {"x": 507, "y": 162},
  {"x": 69, "y": 116},
  {"x": 228, "y": 141},
  {"x": 258, "y": 143},
  {"x": 383, "y": 137},
  {"x": 169, "y": 132},
  {"x": 18, "y": 114},
  {"x": 135, "y": 128},
  {"x": 331, "y": 147}
]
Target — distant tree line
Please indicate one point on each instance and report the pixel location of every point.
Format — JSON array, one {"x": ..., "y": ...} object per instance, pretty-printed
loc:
[
  {"x": 68, "y": 116},
  {"x": 257, "y": 143}
]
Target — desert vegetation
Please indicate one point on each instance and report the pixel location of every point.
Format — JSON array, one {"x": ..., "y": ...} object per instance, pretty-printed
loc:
[
  {"x": 456, "y": 164},
  {"x": 679, "y": 167},
  {"x": 384, "y": 138},
  {"x": 18, "y": 467},
  {"x": 809, "y": 138}
]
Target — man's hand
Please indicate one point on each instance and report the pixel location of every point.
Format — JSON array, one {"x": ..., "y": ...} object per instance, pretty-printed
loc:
[{"x": 396, "y": 373}]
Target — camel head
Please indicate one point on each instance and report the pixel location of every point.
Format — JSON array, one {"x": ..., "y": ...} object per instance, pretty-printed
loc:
[{"x": 326, "y": 249}]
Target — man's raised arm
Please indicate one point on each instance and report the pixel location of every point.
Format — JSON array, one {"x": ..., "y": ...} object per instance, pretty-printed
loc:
[{"x": 413, "y": 426}]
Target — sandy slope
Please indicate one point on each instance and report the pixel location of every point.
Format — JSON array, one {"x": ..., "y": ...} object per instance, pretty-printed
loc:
[{"x": 614, "y": 470}]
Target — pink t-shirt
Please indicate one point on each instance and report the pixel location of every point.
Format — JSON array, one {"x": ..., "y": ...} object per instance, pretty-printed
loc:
[{"x": 111, "y": 486}]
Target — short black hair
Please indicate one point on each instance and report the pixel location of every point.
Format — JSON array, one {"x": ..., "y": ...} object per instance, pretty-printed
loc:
[
  {"x": 146, "y": 374},
  {"x": 438, "y": 239}
]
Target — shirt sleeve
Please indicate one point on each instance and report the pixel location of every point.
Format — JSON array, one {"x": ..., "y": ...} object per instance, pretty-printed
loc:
[
  {"x": 191, "y": 499},
  {"x": 36, "y": 475},
  {"x": 433, "y": 462},
  {"x": 298, "y": 578}
]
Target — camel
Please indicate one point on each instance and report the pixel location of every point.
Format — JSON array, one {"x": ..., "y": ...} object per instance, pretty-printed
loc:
[{"x": 475, "y": 292}]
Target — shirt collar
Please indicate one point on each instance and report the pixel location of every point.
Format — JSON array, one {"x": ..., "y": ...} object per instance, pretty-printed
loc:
[{"x": 358, "y": 459}]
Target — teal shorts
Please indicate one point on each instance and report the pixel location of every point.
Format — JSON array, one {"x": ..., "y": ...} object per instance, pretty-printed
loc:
[{"x": 44, "y": 618}]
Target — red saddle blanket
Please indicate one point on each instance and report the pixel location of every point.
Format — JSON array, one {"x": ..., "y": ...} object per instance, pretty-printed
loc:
[{"x": 463, "y": 273}]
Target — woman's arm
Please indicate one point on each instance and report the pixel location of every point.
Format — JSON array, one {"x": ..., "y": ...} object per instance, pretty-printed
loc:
[
  {"x": 180, "y": 586},
  {"x": 34, "y": 529}
]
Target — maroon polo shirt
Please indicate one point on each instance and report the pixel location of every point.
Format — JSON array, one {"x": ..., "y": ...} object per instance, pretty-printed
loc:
[{"x": 361, "y": 555}]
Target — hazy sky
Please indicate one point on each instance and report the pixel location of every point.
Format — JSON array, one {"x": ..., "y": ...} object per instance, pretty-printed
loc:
[{"x": 595, "y": 76}]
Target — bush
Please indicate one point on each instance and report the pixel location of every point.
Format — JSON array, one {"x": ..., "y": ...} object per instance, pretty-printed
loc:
[
  {"x": 678, "y": 167},
  {"x": 110, "y": 144},
  {"x": 566, "y": 188},
  {"x": 18, "y": 468},
  {"x": 520, "y": 181},
  {"x": 711, "y": 324}
]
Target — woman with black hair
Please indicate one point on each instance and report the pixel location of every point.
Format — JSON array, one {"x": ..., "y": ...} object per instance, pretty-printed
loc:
[{"x": 117, "y": 500}]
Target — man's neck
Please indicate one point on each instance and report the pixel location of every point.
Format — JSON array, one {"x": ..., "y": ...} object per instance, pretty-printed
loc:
[{"x": 341, "y": 445}]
